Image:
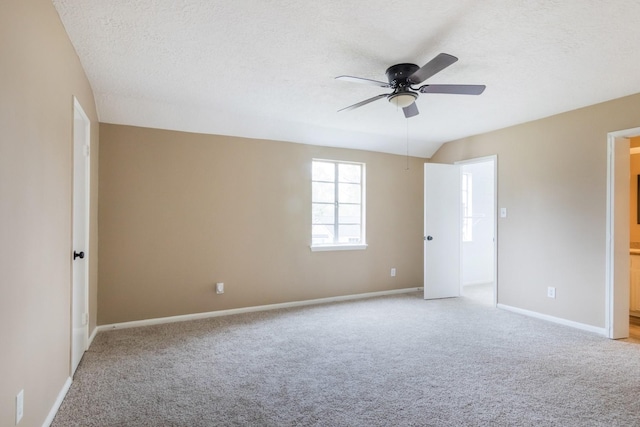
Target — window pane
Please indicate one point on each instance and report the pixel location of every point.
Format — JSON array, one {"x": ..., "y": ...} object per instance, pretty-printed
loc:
[
  {"x": 323, "y": 192},
  {"x": 349, "y": 233},
  {"x": 349, "y": 173},
  {"x": 321, "y": 234},
  {"x": 323, "y": 213},
  {"x": 322, "y": 171},
  {"x": 349, "y": 193},
  {"x": 337, "y": 212},
  {"x": 348, "y": 214}
]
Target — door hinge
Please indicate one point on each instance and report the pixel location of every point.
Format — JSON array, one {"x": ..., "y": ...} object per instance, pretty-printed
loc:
[
  {"x": 86, "y": 150},
  {"x": 85, "y": 319}
]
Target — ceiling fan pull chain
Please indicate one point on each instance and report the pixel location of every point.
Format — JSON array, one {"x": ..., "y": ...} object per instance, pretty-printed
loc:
[{"x": 407, "y": 120}]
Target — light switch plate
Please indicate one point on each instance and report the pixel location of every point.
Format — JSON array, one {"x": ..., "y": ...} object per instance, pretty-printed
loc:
[
  {"x": 19, "y": 406},
  {"x": 503, "y": 212}
]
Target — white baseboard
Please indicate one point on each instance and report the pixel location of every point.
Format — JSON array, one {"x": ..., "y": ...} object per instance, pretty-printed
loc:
[
  {"x": 559, "y": 320},
  {"x": 206, "y": 315},
  {"x": 92, "y": 336},
  {"x": 65, "y": 389},
  {"x": 58, "y": 402}
]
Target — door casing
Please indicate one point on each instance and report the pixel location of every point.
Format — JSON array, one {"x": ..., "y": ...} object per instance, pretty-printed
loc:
[{"x": 617, "y": 234}]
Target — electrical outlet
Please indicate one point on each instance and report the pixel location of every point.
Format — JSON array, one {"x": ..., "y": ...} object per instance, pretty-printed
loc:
[
  {"x": 551, "y": 292},
  {"x": 393, "y": 272},
  {"x": 19, "y": 406},
  {"x": 219, "y": 288}
]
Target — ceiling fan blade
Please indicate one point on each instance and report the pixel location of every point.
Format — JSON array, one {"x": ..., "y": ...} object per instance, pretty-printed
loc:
[
  {"x": 432, "y": 67},
  {"x": 365, "y": 102},
  {"x": 411, "y": 110},
  {"x": 363, "y": 80},
  {"x": 453, "y": 89}
]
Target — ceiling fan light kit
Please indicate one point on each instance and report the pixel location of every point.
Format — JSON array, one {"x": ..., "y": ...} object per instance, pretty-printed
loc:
[
  {"x": 402, "y": 99},
  {"x": 401, "y": 79}
]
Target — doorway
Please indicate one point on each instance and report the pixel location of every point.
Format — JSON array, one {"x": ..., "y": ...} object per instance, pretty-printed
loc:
[
  {"x": 461, "y": 210},
  {"x": 634, "y": 241},
  {"x": 618, "y": 219},
  {"x": 80, "y": 237},
  {"x": 479, "y": 224}
]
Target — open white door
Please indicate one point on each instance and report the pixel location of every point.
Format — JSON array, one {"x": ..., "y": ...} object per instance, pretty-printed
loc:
[
  {"x": 441, "y": 231},
  {"x": 80, "y": 285}
]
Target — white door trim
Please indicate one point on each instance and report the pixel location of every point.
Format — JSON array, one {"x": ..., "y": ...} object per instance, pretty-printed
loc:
[
  {"x": 494, "y": 159},
  {"x": 616, "y": 307}
]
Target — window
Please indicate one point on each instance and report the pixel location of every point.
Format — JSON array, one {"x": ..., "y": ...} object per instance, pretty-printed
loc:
[
  {"x": 467, "y": 207},
  {"x": 337, "y": 205}
]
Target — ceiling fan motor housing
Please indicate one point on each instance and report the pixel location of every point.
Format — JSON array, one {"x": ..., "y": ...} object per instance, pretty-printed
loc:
[{"x": 399, "y": 73}]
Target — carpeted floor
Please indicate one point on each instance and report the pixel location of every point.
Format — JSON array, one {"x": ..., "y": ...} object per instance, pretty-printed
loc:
[{"x": 390, "y": 361}]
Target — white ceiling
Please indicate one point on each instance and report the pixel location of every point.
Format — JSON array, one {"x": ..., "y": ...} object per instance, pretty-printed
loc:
[{"x": 265, "y": 69}]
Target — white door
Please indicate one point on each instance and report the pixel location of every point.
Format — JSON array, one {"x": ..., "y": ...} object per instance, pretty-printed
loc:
[
  {"x": 80, "y": 256},
  {"x": 441, "y": 230}
]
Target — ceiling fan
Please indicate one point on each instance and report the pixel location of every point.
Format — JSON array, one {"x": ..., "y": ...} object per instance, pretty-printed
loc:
[{"x": 403, "y": 77}]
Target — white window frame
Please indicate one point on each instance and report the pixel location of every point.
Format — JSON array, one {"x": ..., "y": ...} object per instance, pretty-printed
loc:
[{"x": 336, "y": 246}]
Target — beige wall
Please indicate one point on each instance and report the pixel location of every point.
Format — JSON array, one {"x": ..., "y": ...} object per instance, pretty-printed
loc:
[
  {"x": 634, "y": 227},
  {"x": 39, "y": 73},
  {"x": 180, "y": 211},
  {"x": 552, "y": 180}
]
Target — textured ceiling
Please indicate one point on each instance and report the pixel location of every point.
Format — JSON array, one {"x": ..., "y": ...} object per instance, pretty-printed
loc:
[{"x": 265, "y": 69}]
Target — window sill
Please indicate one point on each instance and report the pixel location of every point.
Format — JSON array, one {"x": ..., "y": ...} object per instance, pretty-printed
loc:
[{"x": 356, "y": 247}]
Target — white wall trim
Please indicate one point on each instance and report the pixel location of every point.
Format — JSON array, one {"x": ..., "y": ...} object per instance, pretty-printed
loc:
[
  {"x": 354, "y": 247},
  {"x": 218, "y": 313},
  {"x": 609, "y": 253},
  {"x": 92, "y": 336},
  {"x": 58, "y": 402},
  {"x": 559, "y": 320},
  {"x": 490, "y": 158}
]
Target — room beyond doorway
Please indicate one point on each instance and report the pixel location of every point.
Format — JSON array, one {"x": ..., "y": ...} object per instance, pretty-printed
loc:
[{"x": 478, "y": 253}]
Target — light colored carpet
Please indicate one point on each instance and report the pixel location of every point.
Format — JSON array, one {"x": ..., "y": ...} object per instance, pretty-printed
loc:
[
  {"x": 482, "y": 293},
  {"x": 390, "y": 361}
]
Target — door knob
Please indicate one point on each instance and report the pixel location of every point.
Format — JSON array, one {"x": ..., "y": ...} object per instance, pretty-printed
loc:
[
  {"x": 78, "y": 255},
  {"x": 429, "y": 237}
]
